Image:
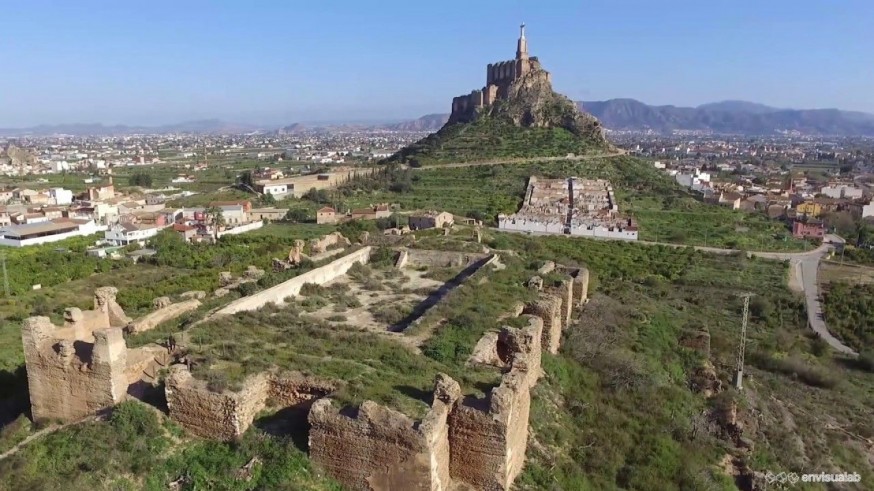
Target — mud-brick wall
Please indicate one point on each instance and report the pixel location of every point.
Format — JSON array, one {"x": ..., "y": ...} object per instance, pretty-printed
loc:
[
  {"x": 549, "y": 308},
  {"x": 280, "y": 292},
  {"x": 70, "y": 379},
  {"x": 219, "y": 416},
  {"x": 375, "y": 448},
  {"x": 164, "y": 314},
  {"x": 488, "y": 437},
  {"x": 440, "y": 259},
  {"x": 296, "y": 389}
]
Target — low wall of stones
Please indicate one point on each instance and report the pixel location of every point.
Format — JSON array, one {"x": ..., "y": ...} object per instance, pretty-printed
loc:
[
  {"x": 68, "y": 378},
  {"x": 163, "y": 314},
  {"x": 280, "y": 292},
  {"x": 227, "y": 415}
]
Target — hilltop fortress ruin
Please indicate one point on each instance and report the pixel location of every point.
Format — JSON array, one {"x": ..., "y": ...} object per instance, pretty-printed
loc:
[{"x": 500, "y": 77}]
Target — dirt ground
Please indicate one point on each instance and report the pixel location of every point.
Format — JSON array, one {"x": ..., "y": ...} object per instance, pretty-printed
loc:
[
  {"x": 414, "y": 286},
  {"x": 834, "y": 271}
]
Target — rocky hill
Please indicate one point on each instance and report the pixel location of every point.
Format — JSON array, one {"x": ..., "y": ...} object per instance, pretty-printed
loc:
[
  {"x": 428, "y": 122},
  {"x": 732, "y": 117},
  {"x": 532, "y": 120}
]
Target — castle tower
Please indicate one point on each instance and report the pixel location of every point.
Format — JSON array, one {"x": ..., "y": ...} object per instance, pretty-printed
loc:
[
  {"x": 523, "y": 64},
  {"x": 522, "y": 44}
]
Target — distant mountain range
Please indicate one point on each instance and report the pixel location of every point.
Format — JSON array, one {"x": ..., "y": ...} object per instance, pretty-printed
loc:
[
  {"x": 728, "y": 117},
  {"x": 733, "y": 117},
  {"x": 206, "y": 126}
]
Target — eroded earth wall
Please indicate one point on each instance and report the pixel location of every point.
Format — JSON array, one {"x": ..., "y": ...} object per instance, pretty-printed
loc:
[
  {"x": 377, "y": 448},
  {"x": 280, "y": 292},
  {"x": 69, "y": 379},
  {"x": 163, "y": 314}
]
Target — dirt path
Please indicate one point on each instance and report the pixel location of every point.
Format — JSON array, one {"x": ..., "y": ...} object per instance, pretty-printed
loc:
[
  {"x": 521, "y": 161},
  {"x": 41, "y": 433}
]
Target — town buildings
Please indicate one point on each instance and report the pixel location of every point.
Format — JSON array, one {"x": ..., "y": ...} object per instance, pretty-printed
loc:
[
  {"x": 432, "y": 219},
  {"x": 43, "y": 232}
]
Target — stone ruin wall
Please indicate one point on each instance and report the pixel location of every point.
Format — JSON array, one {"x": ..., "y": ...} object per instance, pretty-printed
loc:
[
  {"x": 280, "y": 292},
  {"x": 68, "y": 378},
  {"x": 549, "y": 308},
  {"x": 474, "y": 442},
  {"x": 439, "y": 259},
  {"x": 227, "y": 415},
  {"x": 377, "y": 448},
  {"x": 84, "y": 367},
  {"x": 163, "y": 314},
  {"x": 488, "y": 437}
]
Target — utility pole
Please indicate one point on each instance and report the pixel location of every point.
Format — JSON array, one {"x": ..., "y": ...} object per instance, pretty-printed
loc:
[
  {"x": 741, "y": 349},
  {"x": 5, "y": 274}
]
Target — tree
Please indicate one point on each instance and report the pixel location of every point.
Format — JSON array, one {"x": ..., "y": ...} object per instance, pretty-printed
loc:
[
  {"x": 142, "y": 179},
  {"x": 216, "y": 219},
  {"x": 247, "y": 180}
]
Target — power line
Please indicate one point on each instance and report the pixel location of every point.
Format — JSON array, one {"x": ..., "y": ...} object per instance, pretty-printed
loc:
[{"x": 741, "y": 349}]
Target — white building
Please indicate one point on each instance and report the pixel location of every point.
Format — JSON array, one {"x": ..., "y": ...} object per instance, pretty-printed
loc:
[
  {"x": 44, "y": 232},
  {"x": 61, "y": 196},
  {"x": 60, "y": 165},
  {"x": 122, "y": 234},
  {"x": 275, "y": 188},
  {"x": 868, "y": 211},
  {"x": 842, "y": 191}
]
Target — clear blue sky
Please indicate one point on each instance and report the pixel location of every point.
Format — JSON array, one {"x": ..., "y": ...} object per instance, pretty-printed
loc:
[{"x": 271, "y": 62}]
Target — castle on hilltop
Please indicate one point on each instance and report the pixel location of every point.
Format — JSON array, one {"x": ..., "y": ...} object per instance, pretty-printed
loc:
[{"x": 499, "y": 77}]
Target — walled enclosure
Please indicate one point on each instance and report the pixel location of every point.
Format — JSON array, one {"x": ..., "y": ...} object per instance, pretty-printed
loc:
[
  {"x": 477, "y": 442},
  {"x": 83, "y": 367},
  {"x": 280, "y": 292},
  {"x": 227, "y": 415}
]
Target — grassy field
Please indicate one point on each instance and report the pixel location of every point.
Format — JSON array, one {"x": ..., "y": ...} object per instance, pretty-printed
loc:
[{"x": 490, "y": 139}]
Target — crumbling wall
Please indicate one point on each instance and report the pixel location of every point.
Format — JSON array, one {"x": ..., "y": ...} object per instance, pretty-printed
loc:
[
  {"x": 69, "y": 378},
  {"x": 440, "y": 259},
  {"x": 294, "y": 388},
  {"x": 549, "y": 308},
  {"x": 488, "y": 436},
  {"x": 566, "y": 290},
  {"x": 164, "y": 314},
  {"x": 280, "y": 292},
  {"x": 227, "y": 415},
  {"x": 208, "y": 414},
  {"x": 582, "y": 281},
  {"x": 377, "y": 448},
  {"x": 318, "y": 246}
]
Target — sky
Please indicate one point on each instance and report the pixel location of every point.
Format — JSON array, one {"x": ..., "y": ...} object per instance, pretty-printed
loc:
[{"x": 151, "y": 62}]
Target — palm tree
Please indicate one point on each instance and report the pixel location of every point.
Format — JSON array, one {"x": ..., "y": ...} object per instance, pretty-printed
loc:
[{"x": 216, "y": 219}]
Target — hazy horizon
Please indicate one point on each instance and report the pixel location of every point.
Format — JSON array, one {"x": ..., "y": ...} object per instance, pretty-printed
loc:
[{"x": 276, "y": 64}]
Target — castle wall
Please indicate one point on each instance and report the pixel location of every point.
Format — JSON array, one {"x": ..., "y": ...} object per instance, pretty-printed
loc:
[
  {"x": 220, "y": 416},
  {"x": 582, "y": 281},
  {"x": 280, "y": 292},
  {"x": 549, "y": 308},
  {"x": 488, "y": 437},
  {"x": 69, "y": 379},
  {"x": 377, "y": 448},
  {"x": 227, "y": 415},
  {"x": 164, "y": 314}
]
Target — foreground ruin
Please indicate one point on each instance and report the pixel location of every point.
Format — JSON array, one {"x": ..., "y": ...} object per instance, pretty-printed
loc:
[{"x": 462, "y": 442}]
